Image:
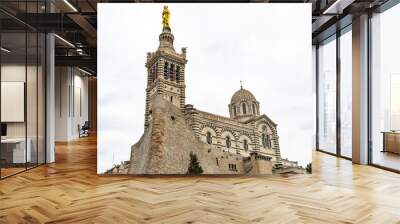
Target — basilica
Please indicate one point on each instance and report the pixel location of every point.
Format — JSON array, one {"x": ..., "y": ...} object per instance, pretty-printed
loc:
[{"x": 246, "y": 142}]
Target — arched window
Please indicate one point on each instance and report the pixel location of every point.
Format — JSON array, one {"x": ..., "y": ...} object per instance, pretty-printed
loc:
[
  {"x": 177, "y": 73},
  {"x": 156, "y": 70},
  {"x": 154, "y": 73},
  {"x": 228, "y": 142},
  {"x": 166, "y": 70},
  {"x": 245, "y": 145},
  {"x": 244, "y": 108},
  {"x": 171, "y": 98},
  {"x": 172, "y": 72},
  {"x": 151, "y": 74},
  {"x": 234, "y": 110},
  {"x": 254, "y": 109},
  {"x": 264, "y": 140},
  {"x": 269, "y": 142},
  {"x": 209, "y": 138}
]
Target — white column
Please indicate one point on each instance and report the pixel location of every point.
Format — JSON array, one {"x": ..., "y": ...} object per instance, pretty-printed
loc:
[{"x": 360, "y": 90}]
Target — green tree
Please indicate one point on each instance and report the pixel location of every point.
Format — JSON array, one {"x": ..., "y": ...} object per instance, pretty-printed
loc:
[
  {"x": 309, "y": 168},
  {"x": 194, "y": 166}
]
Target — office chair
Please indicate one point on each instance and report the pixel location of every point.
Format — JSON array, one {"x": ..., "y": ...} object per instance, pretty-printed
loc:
[{"x": 84, "y": 130}]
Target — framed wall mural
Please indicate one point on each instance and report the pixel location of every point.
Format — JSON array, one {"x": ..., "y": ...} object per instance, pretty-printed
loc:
[{"x": 195, "y": 89}]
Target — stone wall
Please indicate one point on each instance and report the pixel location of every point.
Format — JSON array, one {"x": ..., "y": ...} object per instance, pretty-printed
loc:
[{"x": 166, "y": 144}]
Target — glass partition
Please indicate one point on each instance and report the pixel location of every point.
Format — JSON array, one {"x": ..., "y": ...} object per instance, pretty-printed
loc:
[
  {"x": 13, "y": 105},
  {"x": 385, "y": 89},
  {"x": 22, "y": 101},
  {"x": 346, "y": 93},
  {"x": 327, "y": 96}
]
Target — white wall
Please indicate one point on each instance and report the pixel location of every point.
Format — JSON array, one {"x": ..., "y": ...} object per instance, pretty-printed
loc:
[{"x": 71, "y": 102}]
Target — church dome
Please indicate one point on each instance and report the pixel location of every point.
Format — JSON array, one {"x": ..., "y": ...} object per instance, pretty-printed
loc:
[
  {"x": 244, "y": 105},
  {"x": 242, "y": 95}
]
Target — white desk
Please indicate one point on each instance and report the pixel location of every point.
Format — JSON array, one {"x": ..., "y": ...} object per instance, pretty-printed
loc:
[{"x": 18, "y": 144}]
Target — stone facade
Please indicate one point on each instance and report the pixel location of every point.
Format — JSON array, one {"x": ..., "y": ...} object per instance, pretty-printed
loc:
[
  {"x": 257, "y": 134},
  {"x": 244, "y": 143}
]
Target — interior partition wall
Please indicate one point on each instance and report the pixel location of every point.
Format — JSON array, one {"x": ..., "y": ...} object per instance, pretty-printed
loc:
[
  {"x": 22, "y": 101},
  {"x": 334, "y": 94}
]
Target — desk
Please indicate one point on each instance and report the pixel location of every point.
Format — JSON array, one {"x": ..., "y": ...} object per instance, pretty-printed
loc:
[
  {"x": 391, "y": 142},
  {"x": 13, "y": 150}
]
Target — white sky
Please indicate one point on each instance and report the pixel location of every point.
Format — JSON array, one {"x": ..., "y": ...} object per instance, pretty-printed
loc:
[{"x": 268, "y": 46}]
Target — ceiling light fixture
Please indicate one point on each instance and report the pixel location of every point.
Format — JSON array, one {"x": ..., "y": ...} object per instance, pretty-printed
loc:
[
  {"x": 337, "y": 7},
  {"x": 5, "y": 50},
  {"x": 84, "y": 71},
  {"x": 64, "y": 40},
  {"x": 70, "y": 5}
]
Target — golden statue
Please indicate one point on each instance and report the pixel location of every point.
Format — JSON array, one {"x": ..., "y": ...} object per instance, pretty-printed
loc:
[{"x": 165, "y": 17}]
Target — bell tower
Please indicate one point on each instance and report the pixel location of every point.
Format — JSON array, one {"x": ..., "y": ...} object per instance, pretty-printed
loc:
[{"x": 165, "y": 71}]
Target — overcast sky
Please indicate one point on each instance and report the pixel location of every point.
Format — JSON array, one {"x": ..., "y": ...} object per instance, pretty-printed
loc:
[{"x": 268, "y": 46}]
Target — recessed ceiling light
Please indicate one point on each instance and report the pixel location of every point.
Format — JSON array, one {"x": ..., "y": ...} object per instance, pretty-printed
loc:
[
  {"x": 64, "y": 40},
  {"x": 84, "y": 71},
  {"x": 70, "y": 5},
  {"x": 5, "y": 50},
  {"x": 338, "y": 6}
]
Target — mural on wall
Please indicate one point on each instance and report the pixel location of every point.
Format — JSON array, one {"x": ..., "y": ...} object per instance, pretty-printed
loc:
[{"x": 179, "y": 138}]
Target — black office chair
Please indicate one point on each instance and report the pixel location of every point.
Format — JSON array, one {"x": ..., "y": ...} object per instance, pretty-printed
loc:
[{"x": 84, "y": 130}]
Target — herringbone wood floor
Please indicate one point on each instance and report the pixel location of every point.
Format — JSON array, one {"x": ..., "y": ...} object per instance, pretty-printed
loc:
[{"x": 70, "y": 191}]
